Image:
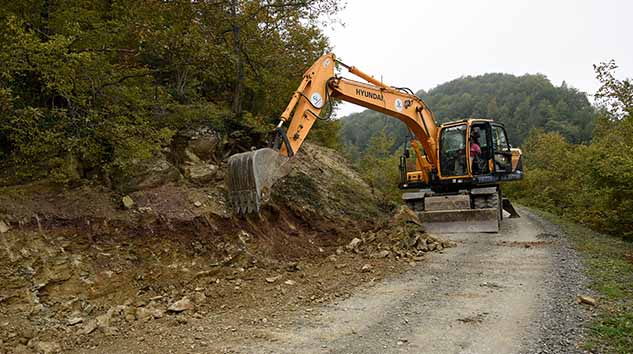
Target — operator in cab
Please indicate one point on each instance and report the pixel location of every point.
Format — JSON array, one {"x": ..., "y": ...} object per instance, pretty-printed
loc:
[{"x": 475, "y": 150}]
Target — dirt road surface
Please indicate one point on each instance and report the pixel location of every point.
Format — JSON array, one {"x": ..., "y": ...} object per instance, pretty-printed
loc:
[
  {"x": 511, "y": 292},
  {"x": 488, "y": 295}
]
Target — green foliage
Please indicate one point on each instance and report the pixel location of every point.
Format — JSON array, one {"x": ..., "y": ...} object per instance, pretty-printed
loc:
[
  {"x": 326, "y": 133},
  {"x": 521, "y": 103},
  {"x": 379, "y": 167},
  {"x": 90, "y": 86},
  {"x": 591, "y": 184}
]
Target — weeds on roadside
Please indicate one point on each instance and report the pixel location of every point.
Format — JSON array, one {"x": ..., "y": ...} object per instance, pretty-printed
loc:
[{"x": 608, "y": 262}]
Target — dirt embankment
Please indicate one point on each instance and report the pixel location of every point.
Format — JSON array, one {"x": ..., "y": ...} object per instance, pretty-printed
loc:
[{"x": 79, "y": 269}]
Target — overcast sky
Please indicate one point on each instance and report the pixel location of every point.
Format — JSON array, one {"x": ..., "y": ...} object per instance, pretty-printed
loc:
[{"x": 421, "y": 44}]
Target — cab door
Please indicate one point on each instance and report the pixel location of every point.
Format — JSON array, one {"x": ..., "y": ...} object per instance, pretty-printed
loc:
[
  {"x": 453, "y": 153},
  {"x": 501, "y": 150}
]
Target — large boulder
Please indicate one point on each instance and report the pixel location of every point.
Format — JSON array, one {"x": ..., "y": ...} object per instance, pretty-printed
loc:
[
  {"x": 201, "y": 173},
  {"x": 202, "y": 142},
  {"x": 144, "y": 174}
]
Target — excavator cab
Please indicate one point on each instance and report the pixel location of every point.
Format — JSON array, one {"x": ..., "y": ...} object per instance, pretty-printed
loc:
[{"x": 475, "y": 151}]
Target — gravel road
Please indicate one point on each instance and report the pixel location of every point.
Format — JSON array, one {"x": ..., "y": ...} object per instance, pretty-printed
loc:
[{"x": 511, "y": 292}]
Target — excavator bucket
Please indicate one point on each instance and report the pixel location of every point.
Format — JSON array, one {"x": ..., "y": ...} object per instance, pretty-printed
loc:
[{"x": 251, "y": 176}]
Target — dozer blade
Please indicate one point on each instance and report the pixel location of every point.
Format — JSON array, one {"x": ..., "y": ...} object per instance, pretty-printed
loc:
[
  {"x": 251, "y": 176},
  {"x": 460, "y": 220},
  {"x": 452, "y": 214}
]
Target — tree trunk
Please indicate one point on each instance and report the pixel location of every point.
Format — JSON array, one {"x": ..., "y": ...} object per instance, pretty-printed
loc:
[{"x": 239, "y": 64}]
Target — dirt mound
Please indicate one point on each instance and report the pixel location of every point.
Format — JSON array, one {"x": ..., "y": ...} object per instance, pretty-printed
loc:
[{"x": 79, "y": 269}]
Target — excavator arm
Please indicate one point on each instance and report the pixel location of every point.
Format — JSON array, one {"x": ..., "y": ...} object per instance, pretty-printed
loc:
[
  {"x": 252, "y": 174},
  {"x": 320, "y": 85}
]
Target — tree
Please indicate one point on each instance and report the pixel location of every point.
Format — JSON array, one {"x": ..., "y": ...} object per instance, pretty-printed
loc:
[
  {"x": 591, "y": 184},
  {"x": 103, "y": 84},
  {"x": 379, "y": 167}
]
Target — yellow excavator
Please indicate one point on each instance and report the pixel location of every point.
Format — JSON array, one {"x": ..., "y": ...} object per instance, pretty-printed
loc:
[{"x": 454, "y": 184}]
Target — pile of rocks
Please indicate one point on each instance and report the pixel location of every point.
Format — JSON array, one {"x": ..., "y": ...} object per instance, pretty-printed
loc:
[{"x": 403, "y": 237}]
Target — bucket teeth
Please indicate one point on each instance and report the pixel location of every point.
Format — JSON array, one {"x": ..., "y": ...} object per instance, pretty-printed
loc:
[
  {"x": 249, "y": 174},
  {"x": 242, "y": 187}
]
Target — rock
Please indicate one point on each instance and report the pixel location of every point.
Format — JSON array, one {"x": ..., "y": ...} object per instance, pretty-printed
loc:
[
  {"x": 144, "y": 314},
  {"x": 128, "y": 202},
  {"x": 339, "y": 251},
  {"x": 290, "y": 282},
  {"x": 588, "y": 300},
  {"x": 89, "y": 327},
  {"x": 201, "y": 173},
  {"x": 3, "y": 227},
  {"x": 158, "y": 313},
  {"x": 432, "y": 246},
  {"x": 199, "y": 297},
  {"x": 204, "y": 143},
  {"x": 422, "y": 246},
  {"x": 405, "y": 215},
  {"x": 197, "y": 204},
  {"x": 353, "y": 245},
  {"x": 142, "y": 174},
  {"x": 75, "y": 320},
  {"x": 244, "y": 237},
  {"x": 103, "y": 321},
  {"x": 181, "y": 305},
  {"x": 48, "y": 347},
  {"x": 273, "y": 279},
  {"x": 381, "y": 254},
  {"x": 293, "y": 267},
  {"x": 366, "y": 268},
  {"x": 192, "y": 157}
]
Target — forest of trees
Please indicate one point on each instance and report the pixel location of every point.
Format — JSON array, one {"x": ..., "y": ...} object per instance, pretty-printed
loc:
[
  {"x": 589, "y": 183},
  {"x": 98, "y": 84},
  {"x": 522, "y": 103}
]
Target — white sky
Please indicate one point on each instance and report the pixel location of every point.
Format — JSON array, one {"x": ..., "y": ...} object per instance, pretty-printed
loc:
[{"x": 421, "y": 44}]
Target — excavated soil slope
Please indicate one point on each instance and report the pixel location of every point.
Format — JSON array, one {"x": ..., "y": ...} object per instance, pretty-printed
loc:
[{"x": 80, "y": 271}]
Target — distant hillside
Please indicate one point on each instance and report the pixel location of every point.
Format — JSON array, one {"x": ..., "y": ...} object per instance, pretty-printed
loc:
[{"x": 522, "y": 103}]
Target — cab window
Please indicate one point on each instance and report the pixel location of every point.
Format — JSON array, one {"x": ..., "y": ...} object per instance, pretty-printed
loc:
[
  {"x": 503, "y": 154},
  {"x": 453, "y": 151},
  {"x": 500, "y": 140}
]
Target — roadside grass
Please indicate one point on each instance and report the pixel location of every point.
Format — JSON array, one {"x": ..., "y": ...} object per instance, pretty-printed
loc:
[{"x": 608, "y": 262}]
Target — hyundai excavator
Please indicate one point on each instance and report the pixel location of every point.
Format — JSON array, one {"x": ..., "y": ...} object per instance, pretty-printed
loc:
[{"x": 453, "y": 185}]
